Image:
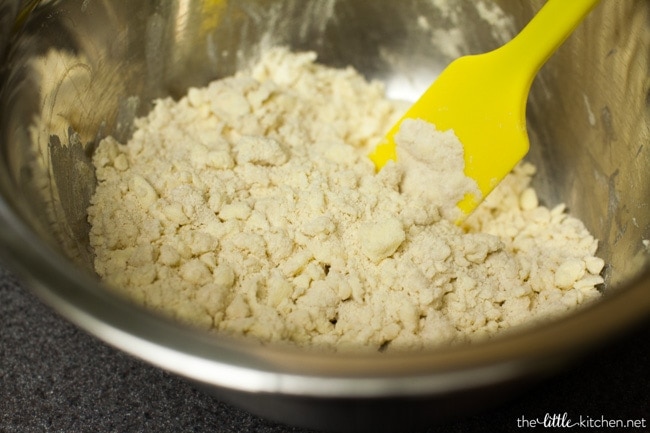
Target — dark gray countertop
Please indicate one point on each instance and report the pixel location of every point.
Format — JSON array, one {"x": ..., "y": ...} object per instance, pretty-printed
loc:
[{"x": 56, "y": 378}]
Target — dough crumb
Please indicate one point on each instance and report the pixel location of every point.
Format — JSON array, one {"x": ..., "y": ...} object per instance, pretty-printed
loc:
[{"x": 250, "y": 207}]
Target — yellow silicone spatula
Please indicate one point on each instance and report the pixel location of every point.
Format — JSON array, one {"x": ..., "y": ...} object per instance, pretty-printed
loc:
[{"x": 482, "y": 98}]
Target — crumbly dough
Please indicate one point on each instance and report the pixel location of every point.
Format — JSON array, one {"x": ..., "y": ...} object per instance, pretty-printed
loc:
[{"x": 250, "y": 207}]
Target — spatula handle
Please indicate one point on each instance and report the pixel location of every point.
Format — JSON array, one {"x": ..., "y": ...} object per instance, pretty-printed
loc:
[{"x": 543, "y": 34}]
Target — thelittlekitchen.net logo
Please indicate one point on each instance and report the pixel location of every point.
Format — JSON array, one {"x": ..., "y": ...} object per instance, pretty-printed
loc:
[{"x": 564, "y": 421}]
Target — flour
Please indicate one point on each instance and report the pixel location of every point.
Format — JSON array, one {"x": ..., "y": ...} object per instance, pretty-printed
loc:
[
  {"x": 250, "y": 207},
  {"x": 422, "y": 147}
]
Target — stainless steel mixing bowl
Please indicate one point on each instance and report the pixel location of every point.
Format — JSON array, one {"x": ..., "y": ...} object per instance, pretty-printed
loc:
[{"x": 589, "y": 125}]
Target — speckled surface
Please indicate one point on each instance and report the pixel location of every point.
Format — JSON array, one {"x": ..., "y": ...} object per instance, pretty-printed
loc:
[{"x": 56, "y": 378}]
